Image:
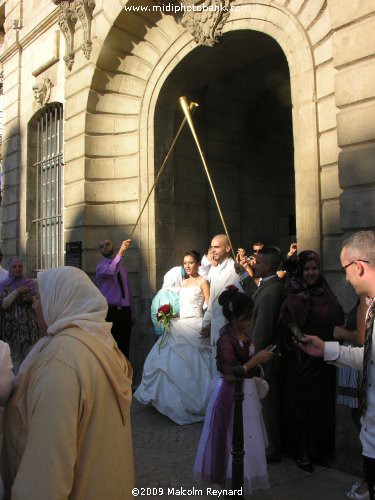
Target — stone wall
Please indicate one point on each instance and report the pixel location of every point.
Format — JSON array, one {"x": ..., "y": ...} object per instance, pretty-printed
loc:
[{"x": 110, "y": 108}]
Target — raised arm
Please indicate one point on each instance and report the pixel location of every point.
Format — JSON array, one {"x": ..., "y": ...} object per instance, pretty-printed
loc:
[{"x": 112, "y": 267}]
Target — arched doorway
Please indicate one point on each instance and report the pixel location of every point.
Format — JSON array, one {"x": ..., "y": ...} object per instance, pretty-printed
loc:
[
  {"x": 145, "y": 63},
  {"x": 244, "y": 122}
]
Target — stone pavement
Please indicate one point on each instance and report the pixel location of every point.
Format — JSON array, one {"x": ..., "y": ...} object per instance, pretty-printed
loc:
[{"x": 164, "y": 454}]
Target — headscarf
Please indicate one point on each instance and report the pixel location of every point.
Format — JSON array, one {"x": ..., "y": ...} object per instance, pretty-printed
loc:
[
  {"x": 69, "y": 298},
  {"x": 311, "y": 293},
  {"x": 14, "y": 282},
  {"x": 304, "y": 257},
  {"x": 297, "y": 283},
  {"x": 73, "y": 306}
]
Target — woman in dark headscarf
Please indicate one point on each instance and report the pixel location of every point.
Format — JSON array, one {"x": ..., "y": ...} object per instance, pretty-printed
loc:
[
  {"x": 18, "y": 323},
  {"x": 308, "y": 403}
]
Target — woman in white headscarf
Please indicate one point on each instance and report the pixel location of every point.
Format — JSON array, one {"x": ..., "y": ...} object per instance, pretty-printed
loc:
[{"x": 67, "y": 429}]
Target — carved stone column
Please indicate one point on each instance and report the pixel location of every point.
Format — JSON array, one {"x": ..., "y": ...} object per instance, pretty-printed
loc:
[
  {"x": 67, "y": 22},
  {"x": 84, "y": 10},
  {"x": 70, "y": 12}
]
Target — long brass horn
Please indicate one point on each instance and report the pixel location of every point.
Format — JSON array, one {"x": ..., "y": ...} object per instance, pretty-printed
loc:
[
  {"x": 191, "y": 107},
  {"x": 186, "y": 110}
]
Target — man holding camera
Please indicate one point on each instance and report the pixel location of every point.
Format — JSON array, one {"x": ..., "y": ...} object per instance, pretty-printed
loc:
[{"x": 358, "y": 262}]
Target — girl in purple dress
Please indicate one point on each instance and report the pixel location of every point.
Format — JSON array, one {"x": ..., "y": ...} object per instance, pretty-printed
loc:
[{"x": 213, "y": 462}]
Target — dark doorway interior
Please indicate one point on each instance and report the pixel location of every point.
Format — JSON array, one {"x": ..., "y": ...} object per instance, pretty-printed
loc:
[{"x": 244, "y": 123}]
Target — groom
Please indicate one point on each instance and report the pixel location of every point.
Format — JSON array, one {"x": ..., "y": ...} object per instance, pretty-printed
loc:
[{"x": 222, "y": 276}]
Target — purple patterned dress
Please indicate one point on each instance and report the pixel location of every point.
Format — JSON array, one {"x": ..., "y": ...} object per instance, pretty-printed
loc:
[
  {"x": 18, "y": 325},
  {"x": 213, "y": 462}
]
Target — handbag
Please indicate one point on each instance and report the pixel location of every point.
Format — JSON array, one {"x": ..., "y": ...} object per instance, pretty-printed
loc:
[{"x": 261, "y": 385}]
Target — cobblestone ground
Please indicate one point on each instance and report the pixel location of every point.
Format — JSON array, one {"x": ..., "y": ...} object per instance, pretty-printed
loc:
[{"x": 164, "y": 454}]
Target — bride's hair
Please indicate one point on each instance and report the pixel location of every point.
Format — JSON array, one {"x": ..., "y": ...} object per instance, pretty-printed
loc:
[
  {"x": 193, "y": 253},
  {"x": 235, "y": 304}
]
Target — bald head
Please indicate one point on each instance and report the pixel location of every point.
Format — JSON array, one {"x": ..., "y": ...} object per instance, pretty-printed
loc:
[{"x": 220, "y": 248}]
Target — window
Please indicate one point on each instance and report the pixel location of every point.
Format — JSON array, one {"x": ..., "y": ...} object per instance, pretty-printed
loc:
[{"x": 47, "y": 173}]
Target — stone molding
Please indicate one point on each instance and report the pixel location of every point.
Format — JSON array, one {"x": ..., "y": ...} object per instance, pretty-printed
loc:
[
  {"x": 70, "y": 12},
  {"x": 67, "y": 22},
  {"x": 203, "y": 19},
  {"x": 84, "y": 10},
  {"x": 42, "y": 91},
  {"x": 22, "y": 43},
  {"x": 206, "y": 22}
]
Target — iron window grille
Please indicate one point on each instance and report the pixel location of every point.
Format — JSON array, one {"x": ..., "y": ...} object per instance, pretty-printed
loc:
[{"x": 49, "y": 188}]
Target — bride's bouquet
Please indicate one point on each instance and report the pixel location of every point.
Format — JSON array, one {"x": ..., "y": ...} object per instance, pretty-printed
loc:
[{"x": 164, "y": 317}]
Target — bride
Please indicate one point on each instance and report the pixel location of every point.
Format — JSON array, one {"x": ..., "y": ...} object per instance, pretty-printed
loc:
[{"x": 178, "y": 369}]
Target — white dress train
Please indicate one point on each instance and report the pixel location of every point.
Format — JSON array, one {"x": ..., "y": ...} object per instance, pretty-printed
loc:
[{"x": 178, "y": 370}]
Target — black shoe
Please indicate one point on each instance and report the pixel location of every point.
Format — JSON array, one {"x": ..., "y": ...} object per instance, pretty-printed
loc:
[
  {"x": 307, "y": 466},
  {"x": 323, "y": 462}
]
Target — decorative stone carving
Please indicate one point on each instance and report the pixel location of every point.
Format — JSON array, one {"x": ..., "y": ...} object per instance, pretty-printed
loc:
[
  {"x": 207, "y": 20},
  {"x": 67, "y": 22},
  {"x": 42, "y": 91},
  {"x": 84, "y": 10},
  {"x": 70, "y": 12}
]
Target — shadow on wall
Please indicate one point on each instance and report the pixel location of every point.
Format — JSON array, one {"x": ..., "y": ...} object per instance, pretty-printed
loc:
[
  {"x": 11, "y": 194},
  {"x": 128, "y": 31},
  {"x": 136, "y": 265}
]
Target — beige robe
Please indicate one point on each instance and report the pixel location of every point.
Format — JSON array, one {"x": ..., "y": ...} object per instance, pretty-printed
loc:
[{"x": 67, "y": 428}]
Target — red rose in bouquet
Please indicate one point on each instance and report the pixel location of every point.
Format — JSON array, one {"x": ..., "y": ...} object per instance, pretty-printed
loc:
[
  {"x": 163, "y": 311},
  {"x": 164, "y": 316}
]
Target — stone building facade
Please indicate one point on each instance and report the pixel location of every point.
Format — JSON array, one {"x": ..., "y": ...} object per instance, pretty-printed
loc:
[{"x": 286, "y": 117}]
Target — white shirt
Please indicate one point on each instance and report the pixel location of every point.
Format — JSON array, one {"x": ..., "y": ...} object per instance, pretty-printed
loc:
[
  {"x": 222, "y": 276},
  {"x": 353, "y": 357}
]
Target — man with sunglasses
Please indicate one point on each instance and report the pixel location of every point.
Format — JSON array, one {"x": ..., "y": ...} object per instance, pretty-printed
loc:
[
  {"x": 113, "y": 282},
  {"x": 358, "y": 262}
]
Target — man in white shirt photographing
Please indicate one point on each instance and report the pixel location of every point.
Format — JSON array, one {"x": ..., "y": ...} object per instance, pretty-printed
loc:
[{"x": 358, "y": 261}]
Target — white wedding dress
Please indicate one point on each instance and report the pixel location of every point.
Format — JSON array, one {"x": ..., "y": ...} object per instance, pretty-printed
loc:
[{"x": 178, "y": 369}]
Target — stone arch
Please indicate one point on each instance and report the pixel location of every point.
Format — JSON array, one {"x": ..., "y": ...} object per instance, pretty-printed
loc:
[
  {"x": 155, "y": 54},
  {"x": 291, "y": 35},
  {"x": 133, "y": 54}
]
